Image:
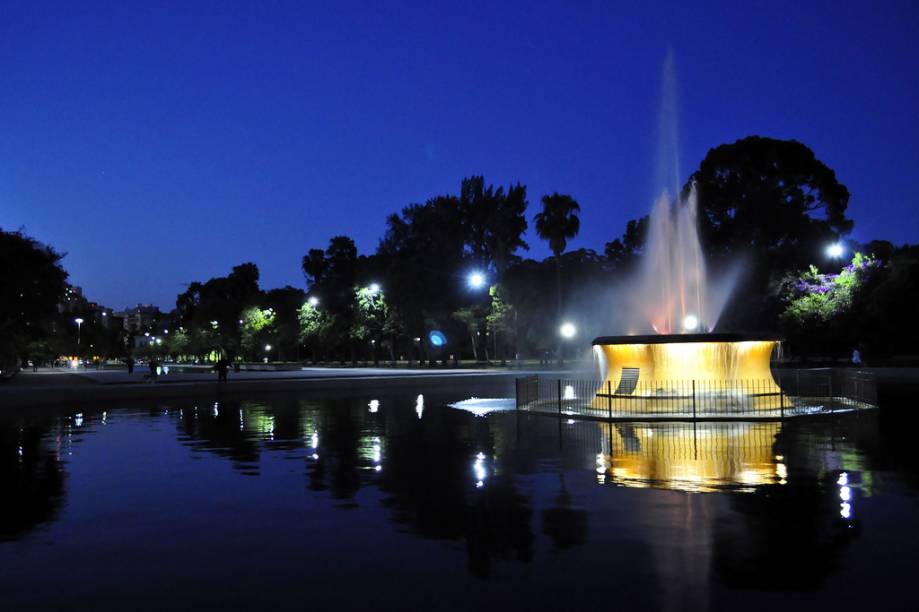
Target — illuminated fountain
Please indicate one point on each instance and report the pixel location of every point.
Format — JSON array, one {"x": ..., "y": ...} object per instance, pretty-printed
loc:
[
  {"x": 680, "y": 365},
  {"x": 704, "y": 374},
  {"x": 683, "y": 366}
]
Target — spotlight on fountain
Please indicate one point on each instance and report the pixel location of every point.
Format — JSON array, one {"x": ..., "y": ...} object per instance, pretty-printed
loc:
[{"x": 690, "y": 323}]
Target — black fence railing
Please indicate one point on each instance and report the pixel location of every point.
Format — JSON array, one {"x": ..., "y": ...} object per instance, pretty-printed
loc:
[{"x": 792, "y": 393}]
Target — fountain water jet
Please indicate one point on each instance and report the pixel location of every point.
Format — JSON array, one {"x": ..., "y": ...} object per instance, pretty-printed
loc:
[{"x": 674, "y": 279}]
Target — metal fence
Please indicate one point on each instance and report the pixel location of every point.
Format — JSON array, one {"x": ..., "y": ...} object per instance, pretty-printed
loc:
[{"x": 792, "y": 393}]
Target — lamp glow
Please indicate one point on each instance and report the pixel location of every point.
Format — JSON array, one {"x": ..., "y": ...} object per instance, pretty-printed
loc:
[
  {"x": 568, "y": 330},
  {"x": 313, "y": 301},
  {"x": 374, "y": 288},
  {"x": 690, "y": 322},
  {"x": 476, "y": 280},
  {"x": 835, "y": 250}
]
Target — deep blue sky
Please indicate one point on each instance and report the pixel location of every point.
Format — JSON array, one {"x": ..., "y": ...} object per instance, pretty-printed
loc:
[{"x": 162, "y": 144}]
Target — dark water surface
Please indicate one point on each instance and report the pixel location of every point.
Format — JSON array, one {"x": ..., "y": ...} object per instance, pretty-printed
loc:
[{"x": 293, "y": 503}]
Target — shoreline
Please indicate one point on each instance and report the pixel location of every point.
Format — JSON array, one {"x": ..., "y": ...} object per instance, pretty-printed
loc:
[{"x": 896, "y": 387}]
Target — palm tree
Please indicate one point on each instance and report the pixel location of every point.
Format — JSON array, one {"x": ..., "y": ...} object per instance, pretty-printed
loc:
[{"x": 557, "y": 224}]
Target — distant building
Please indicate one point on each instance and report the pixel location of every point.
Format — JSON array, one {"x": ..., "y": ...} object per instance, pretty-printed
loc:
[
  {"x": 140, "y": 318},
  {"x": 73, "y": 300}
]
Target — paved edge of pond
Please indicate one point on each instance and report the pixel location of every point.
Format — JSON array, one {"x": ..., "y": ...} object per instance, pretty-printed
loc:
[
  {"x": 898, "y": 388},
  {"x": 38, "y": 396}
]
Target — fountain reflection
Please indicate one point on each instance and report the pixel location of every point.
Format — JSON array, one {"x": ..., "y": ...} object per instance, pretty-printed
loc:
[{"x": 703, "y": 456}]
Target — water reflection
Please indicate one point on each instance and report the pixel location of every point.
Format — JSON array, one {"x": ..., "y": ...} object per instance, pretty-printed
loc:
[
  {"x": 506, "y": 488},
  {"x": 691, "y": 456},
  {"x": 32, "y": 475}
]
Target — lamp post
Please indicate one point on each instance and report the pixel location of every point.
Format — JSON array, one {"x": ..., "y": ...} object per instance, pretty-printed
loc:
[
  {"x": 567, "y": 331},
  {"x": 79, "y": 323}
]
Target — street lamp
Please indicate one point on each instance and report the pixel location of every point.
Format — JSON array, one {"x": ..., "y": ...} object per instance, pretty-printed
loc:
[
  {"x": 475, "y": 280},
  {"x": 568, "y": 330},
  {"x": 374, "y": 288},
  {"x": 835, "y": 250},
  {"x": 79, "y": 323},
  {"x": 313, "y": 301}
]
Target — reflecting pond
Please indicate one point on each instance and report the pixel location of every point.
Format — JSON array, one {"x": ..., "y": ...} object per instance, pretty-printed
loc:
[{"x": 402, "y": 501}]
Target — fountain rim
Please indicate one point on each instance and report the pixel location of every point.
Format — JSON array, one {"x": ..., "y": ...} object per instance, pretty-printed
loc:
[{"x": 683, "y": 338}]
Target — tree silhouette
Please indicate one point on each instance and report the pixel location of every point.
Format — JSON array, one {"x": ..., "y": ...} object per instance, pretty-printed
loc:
[
  {"x": 557, "y": 224},
  {"x": 769, "y": 195},
  {"x": 31, "y": 284},
  {"x": 494, "y": 222}
]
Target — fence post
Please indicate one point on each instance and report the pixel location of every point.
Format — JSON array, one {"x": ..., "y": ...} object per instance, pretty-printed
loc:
[
  {"x": 694, "y": 399},
  {"x": 559, "y": 398},
  {"x": 781, "y": 401},
  {"x": 609, "y": 398}
]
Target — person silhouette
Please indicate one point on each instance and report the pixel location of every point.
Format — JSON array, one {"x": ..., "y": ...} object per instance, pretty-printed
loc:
[{"x": 222, "y": 366}]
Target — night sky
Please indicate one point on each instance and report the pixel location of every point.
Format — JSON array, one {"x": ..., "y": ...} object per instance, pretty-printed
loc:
[{"x": 158, "y": 144}]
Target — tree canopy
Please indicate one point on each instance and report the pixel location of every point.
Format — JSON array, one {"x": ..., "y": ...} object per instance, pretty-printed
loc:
[
  {"x": 769, "y": 195},
  {"x": 32, "y": 283}
]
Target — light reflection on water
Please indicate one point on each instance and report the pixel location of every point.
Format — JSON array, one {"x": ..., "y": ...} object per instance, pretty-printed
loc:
[{"x": 670, "y": 507}]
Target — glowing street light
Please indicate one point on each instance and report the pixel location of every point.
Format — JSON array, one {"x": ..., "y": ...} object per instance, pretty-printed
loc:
[
  {"x": 313, "y": 301},
  {"x": 267, "y": 348},
  {"x": 476, "y": 280},
  {"x": 79, "y": 323},
  {"x": 568, "y": 330},
  {"x": 835, "y": 250},
  {"x": 374, "y": 288}
]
